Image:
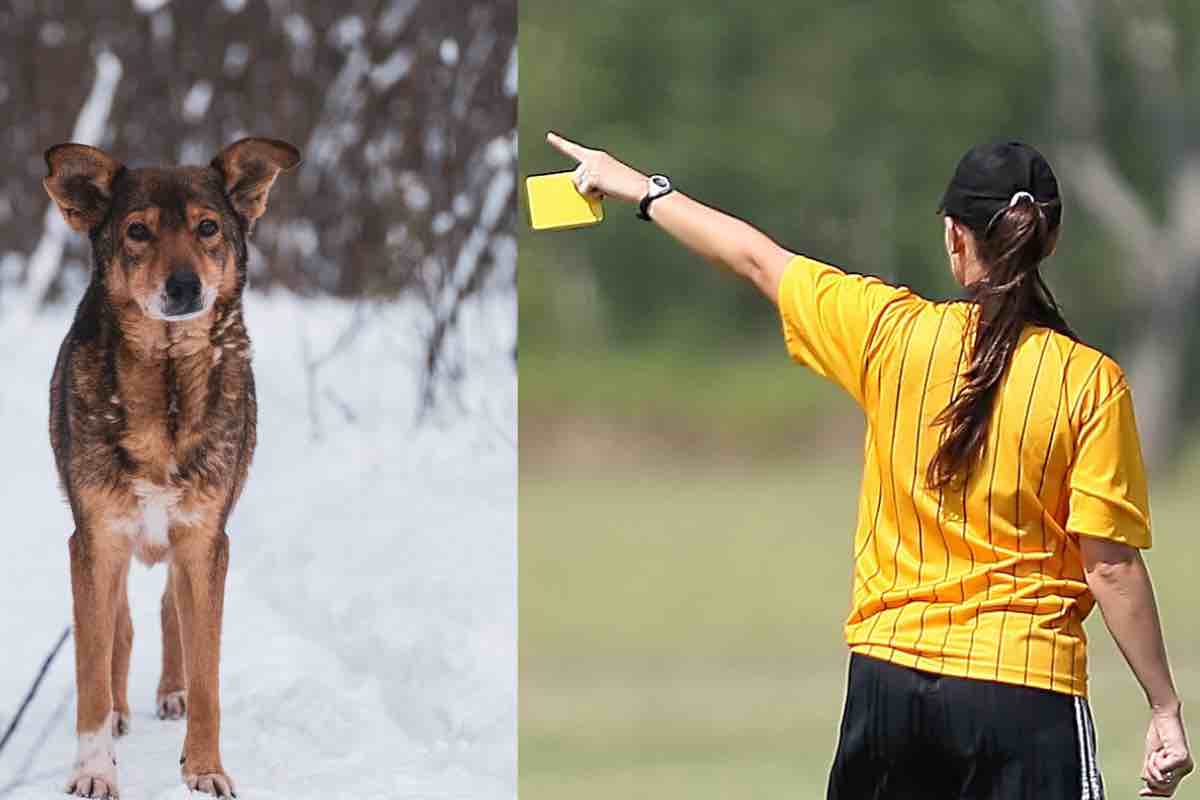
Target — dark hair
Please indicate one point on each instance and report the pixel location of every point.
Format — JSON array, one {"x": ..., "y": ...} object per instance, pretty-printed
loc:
[{"x": 1011, "y": 246}]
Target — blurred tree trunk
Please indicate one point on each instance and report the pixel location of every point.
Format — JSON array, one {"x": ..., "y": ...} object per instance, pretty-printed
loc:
[
  {"x": 404, "y": 111},
  {"x": 1162, "y": 256},
  {"x": 393, "y": 104}
]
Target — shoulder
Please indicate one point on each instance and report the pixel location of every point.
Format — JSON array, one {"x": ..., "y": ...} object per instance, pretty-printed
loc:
[
  {"x": 1092, "y": 377},
  {"x": 806, "y": 275}
]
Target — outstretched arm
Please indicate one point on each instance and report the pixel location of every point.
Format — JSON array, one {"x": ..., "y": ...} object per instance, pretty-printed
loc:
[
  {"x": 715, "y": 235},
  {"x": 1121, "y": 585}
]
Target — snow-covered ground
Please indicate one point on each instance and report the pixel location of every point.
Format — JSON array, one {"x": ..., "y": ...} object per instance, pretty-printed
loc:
[{"x": 370, "y": 619}]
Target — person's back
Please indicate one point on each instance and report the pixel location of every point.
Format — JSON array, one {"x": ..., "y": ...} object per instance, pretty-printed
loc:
[{"x": 981, "y": 578}]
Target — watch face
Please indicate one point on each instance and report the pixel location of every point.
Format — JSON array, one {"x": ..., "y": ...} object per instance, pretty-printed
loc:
[{"x": 660, "y": 181}]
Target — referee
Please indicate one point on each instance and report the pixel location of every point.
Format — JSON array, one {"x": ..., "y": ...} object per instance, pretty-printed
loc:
[{"x": 1003, "y": 495}]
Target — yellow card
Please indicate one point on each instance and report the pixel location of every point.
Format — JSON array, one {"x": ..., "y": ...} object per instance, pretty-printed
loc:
[{"x": 555, "y": 203}]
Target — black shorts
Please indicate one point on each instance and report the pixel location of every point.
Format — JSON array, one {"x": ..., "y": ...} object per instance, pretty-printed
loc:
[{"x": 912, "y": 734}]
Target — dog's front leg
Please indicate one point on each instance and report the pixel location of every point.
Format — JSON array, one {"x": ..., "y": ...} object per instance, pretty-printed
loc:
[
  {"x": 171, "y": 697},
  {"x": 98, "y": 562},
  {"x": 199, "y": 563},
  {"x": 122, "y": 650}
]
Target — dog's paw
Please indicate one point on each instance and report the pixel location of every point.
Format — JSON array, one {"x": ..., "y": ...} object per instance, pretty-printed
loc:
[
  {"x": 218, "y": 784},
  {"x": 95, "y": 773},
  {"x": 93, "y": 786},
  {"x": 172, "y": 705},
  {"x": 120, "y": 723}
]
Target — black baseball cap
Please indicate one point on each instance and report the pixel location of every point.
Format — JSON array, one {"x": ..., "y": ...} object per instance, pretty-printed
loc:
[{"x": 988, "y": 176}]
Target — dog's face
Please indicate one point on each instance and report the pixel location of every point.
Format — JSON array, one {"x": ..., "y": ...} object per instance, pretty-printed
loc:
[
  {"x": 172, "y": 242},
  {"x": 168, "y": 240}
]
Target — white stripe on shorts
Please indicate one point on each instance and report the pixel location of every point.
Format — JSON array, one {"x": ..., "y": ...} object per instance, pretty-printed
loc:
[
  {"x": 1097, "y": 781},
  {"x": 1084, "y": 783},
  {"x": 1089, "y": 774}
]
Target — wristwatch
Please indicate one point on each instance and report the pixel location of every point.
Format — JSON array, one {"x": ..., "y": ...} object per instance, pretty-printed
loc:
[{"x": 658, "y": 186}]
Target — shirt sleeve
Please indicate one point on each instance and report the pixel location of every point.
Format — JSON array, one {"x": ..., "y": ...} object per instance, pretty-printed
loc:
[
  {"x": 1108, "y": 494},
  {"x": 829, "y": 318}
]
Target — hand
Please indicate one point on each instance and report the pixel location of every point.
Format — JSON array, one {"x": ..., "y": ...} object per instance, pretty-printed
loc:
[
  {"x": 599, "y": 174},
  {"x": 1167, "y": 758}
]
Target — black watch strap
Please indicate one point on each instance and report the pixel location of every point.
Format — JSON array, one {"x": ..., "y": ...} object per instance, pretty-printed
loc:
[{"x": 660, "y": 186}]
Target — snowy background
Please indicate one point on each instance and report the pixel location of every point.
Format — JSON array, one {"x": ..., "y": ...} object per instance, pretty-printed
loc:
[{"x": 369, "y": 647}]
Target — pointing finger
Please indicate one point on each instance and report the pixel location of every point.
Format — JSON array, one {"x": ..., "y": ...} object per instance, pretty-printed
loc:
[{"x": 566, "y": 146}]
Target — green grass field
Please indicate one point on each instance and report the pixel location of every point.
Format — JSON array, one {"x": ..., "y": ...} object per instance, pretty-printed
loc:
[
  {"x": 680, "y": 627},
  {"x": 679, "y": 400}
]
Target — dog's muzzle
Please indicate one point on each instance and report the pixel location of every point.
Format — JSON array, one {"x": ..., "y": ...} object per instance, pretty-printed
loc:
[
  {"x": 181, "y": 293},
  {"x": 182, "y": 297}
]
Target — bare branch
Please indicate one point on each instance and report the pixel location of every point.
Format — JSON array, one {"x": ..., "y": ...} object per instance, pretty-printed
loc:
[
  {"x": 1109, "y": 196},
  {"x": 45, "y": 263},
  {"x": 1102, "y": 189},
  {"x": 314, "y": 363},
  {"x": 1185, "y": 214},
  {"x": 1151, "y": 41},
  {"x": 1076, "y": 103}
]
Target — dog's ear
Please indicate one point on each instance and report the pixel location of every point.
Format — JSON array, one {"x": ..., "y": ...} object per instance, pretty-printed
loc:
[
  {"x": 249, "y": 167},
  {"x": 80, "y": 183}
]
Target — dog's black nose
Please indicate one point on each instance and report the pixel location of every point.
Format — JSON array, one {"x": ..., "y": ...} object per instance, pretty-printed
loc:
[{"x": 183, "y": 292}]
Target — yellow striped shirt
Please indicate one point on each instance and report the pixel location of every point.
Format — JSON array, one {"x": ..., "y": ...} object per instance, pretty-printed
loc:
[{"x": 983, "y": 580}]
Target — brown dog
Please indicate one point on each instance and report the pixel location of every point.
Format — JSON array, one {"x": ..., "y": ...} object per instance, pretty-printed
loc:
[{"x": 152, "y": 421}]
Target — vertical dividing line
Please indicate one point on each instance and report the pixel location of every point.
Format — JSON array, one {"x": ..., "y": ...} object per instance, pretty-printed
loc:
[
  {"x": 892, "y": 475},
  {"x": 1017, "y": 516},
  {"x": 874, "y": 524},
  {"x": 991, "y": 485},
  {"x": 962, "y": 347},
  {"x": 1074, "y": 414},
  {"x": 1062, "y": 600},
  {"x": 912, "y": 494},
  {"x": 1042, "y": 518}
]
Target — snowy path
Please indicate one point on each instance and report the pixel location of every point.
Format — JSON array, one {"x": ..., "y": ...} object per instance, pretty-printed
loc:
[{"x": 369, "y": 647}]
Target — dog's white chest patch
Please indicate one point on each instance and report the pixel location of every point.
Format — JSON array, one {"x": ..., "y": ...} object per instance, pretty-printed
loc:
[
  {"x": 155, "y": 517},
  {"x": 158, "y": 507},
  {"x": 158, "y": 504}
]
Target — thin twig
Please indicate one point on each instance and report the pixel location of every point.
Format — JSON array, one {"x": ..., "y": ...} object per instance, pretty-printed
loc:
[
  {"x": 314, "y": 363},
  {"x": 12, "y": 726},
  {"x": 23, "y": 773}
]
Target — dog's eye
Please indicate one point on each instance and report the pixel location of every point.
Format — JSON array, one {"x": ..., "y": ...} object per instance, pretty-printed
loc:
[
  {"x": 207, "y": 228},
  {"x": 138, "y": 232}
]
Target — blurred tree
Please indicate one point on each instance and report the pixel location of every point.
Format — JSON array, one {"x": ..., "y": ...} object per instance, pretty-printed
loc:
[
  {"x": 393, "y": 105},
  {"x": 1161, "y": 246},
  {"x": 404, "y": 111},
  {"x": 834, "y": 127}
]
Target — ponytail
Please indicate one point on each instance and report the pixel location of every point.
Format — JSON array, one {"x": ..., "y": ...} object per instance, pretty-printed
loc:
[{"x": 1012, "y": 245}]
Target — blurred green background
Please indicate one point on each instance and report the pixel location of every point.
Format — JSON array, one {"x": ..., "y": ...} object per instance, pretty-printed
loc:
[{"x": 688, "y": 496}]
